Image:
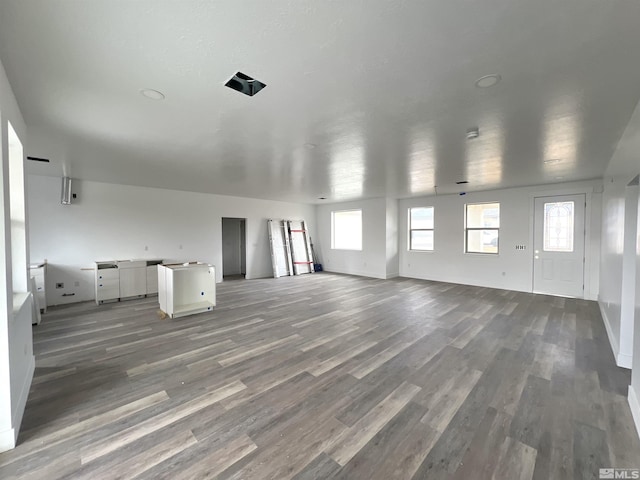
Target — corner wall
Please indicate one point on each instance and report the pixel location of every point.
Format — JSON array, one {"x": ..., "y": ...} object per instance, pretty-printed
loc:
[
  {"x": 17, "y": 362},
  {"x": 111, "y": 222},
  {"x": 376, "y": 259}
]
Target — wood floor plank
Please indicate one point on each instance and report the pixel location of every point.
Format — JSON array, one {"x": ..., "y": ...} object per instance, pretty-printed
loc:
[
  {"x": 327, "y": 376},
  {"x": 362, "y": 431},
  {"x": 135, "y": 432}
]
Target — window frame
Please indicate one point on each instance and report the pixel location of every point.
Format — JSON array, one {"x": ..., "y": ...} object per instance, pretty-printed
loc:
[
  {"x": 468, "y": 229},
  {"x": 411, "y": 230},
  {"x": 333, "y": 230}
]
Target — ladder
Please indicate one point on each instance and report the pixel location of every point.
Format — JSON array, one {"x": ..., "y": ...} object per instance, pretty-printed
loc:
[
  {"x": 291, "y": 252},
  {"x": 300, "y": 247}
]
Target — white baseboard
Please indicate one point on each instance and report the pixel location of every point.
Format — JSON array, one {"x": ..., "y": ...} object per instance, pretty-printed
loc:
[
  {"x": 634, "y": 403},
  {"x": 613, "y": 341},
  {"x": 7, "y": 440},
  {"x": 8, "y": 437},
  {"x": 624, "y": 360},
  {"x": 18, "y": 410},
  {"x": 356, "y": 273}
]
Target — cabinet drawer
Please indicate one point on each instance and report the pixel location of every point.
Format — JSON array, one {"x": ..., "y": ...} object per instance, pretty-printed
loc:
[{"x": 108, "y": 274}]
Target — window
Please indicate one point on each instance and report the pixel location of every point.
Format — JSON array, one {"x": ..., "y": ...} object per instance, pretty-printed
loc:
[
  {"x": 346, "y": 230},
  {"x": 558, "y": 227},
  {"x": 421, "y": 228},
  {"x": 482, "y": 222}
]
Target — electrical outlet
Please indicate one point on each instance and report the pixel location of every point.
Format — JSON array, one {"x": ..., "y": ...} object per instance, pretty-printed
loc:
[{"x": 60, "y": 285}]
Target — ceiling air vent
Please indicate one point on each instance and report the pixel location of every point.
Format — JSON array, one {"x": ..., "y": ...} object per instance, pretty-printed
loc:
[
  {"x": 37, "y": 159},
  {"x": 245, "y": 84}
]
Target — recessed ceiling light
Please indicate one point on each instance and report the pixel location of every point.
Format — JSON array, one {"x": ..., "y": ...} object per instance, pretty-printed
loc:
[
  {"x": 552, "y": 160},
  {"x": 473, "y": 133},
  {"x": 152, "y": 94},
  {"x": 488, "y": 81},
  {"x": 310, "y": 146}
]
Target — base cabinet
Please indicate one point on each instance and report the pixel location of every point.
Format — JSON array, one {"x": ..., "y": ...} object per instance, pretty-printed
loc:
[
  {"x": 133, "y": 278},
  {"x": 39, "y": 272},
  {"x": 121, "y": 279},
  {"x": 186, "y": 289},
  {"x": 107, "y": 281}
]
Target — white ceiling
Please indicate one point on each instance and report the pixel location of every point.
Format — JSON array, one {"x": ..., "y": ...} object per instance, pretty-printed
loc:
[{"x": 385, "y": 89}]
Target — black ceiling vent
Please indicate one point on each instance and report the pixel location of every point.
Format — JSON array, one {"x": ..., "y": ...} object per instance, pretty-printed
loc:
[
  {"x": 462, "y": 182},
  {"x": 37, "y": 159},
  {"x": 245, "y": 84}
]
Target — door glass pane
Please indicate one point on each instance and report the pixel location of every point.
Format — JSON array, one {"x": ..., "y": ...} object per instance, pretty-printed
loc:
[
  {"x": 422, "y": 240},
  {"x": 558, "y": 227}
]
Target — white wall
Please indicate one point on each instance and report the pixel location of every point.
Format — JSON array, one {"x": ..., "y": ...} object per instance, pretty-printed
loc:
[
  {"x": 17, "y": 362},
  {"x": 634, "y": 388},
  {"x": 371, "y": 261},
  {"x": 511, "y": 269},
  {"x": 109, "y": 221},
  {"x": 618, "y": 246},
  {"x": 392, "y": 238}
]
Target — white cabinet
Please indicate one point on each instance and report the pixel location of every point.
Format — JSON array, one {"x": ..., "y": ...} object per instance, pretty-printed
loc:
[
  {"x": 152, "y": 276},
  {"x": 116, "y": 280},
  {"x": 185, "y": 289},
  {"x": 107, "y": 281},
  {"x": 133, "y": 278},
  {"x": 39, "y": 272}
]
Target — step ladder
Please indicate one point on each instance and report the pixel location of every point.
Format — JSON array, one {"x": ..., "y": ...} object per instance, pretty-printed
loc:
[{"x": 291, "y": 252}]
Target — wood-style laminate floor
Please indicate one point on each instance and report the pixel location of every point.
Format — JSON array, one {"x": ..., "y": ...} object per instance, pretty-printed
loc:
[{"x": 327, "y": 376}]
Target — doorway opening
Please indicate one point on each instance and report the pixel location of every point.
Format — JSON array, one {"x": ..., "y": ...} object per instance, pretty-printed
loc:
[{"x": 234, "y": 248}]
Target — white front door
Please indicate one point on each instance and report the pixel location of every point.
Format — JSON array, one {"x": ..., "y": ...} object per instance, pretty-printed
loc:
[{"x": 558, "y": 245}]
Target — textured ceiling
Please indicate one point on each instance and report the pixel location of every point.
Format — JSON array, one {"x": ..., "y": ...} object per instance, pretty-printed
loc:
[{"x": 383, "y": 89}]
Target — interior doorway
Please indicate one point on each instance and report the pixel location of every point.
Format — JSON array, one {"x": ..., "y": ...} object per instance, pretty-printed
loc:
[
  {"x": 234, "y": 248},
  {"x": 558, "y": 261}
]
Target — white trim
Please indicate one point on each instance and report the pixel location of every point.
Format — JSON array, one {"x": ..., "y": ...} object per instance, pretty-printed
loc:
[
  {"x": 624, "y": 360},
  {"x": 7, "y": 440},
  {"x": 357, "y": 274},
  {"x": 613, "y": 341},
  {"x": 634, "y": 404},
  {"x": 9, "y": 437},
  {"x": 21, "y": 402}
]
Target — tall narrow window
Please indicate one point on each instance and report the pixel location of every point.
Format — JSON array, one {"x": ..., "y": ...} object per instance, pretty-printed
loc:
[
  {"x": 421, "y": 236},
  {"x": 558, "y": 227},
  {"x": 482, "y": 227},
  {"x": 346, "y": 230}
]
